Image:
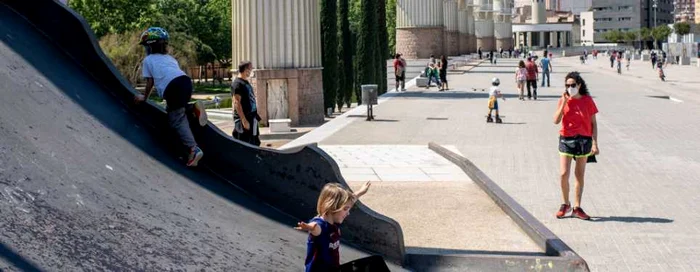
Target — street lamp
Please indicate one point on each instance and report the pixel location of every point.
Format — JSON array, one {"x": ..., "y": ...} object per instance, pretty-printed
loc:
[{"x": 655, "y": 6}]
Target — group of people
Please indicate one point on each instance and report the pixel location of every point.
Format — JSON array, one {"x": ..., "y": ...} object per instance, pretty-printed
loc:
[
  {"x": 575, "y": 111},
  {"x": 437, "y": 71},
  {"x": 162, "y": 73},
  {"x": 526, "y": 75},
  {"x": 494, "y": 55}
]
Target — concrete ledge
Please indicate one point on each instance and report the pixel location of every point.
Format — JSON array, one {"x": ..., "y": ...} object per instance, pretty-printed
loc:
[
  {"x": 548, "y": 241},
  {"x": 490, "y": 262}
]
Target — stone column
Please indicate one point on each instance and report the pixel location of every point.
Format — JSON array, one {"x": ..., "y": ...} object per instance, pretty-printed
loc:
[
  {"x": 419, "y": 28},
  {"x": 283, "y": 42},
  {"x": 483, "y": 26},
  {"x": 541, "y": 39},
  {"x": 463, "y": 26},
  {"x": 553, "y": 39},
  {"x": 503, "y": 26},
  {"x": 471, "y": 31},
  {"x": 538, "y": 12},
  {"x": 451, "y": 35}
]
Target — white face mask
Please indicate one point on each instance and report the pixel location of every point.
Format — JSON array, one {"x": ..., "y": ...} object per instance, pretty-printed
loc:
[{"x": 573, "y": 91}]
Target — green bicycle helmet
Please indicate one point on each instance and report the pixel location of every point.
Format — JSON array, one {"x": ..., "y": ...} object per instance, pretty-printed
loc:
[{"x": 153, "y": 35}]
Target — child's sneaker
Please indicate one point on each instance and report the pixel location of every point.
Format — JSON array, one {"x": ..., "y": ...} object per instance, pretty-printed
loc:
[
  {"x": 200, "y": 112},
  {"x": 196, "y": 154}
]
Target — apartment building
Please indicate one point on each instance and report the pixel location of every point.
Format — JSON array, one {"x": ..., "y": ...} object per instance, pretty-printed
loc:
[{"x": 629, "y": 14}]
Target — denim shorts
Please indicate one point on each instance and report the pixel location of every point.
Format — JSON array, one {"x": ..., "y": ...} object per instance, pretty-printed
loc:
[{"x": 575, "y": 147}]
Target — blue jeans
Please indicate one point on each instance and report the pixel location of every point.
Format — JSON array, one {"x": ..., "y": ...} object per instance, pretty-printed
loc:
[
  {"x": 437, "y": 80},
  {"x": 545, "y": 73}
]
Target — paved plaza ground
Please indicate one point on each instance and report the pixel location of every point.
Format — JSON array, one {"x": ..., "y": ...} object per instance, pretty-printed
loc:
[{"x": 642, "y": 192}]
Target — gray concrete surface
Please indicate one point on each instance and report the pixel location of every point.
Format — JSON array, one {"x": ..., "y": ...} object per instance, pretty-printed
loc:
[{"x": 641, "y": 193}]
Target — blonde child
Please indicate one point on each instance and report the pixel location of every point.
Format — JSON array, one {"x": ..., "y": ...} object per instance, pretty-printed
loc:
[{"x": 323, "y": 245}]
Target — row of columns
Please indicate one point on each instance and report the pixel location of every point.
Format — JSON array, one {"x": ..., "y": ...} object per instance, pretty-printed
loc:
[
  {"x": 543, "y": 39},
  {"x": 452, "y": 27}
]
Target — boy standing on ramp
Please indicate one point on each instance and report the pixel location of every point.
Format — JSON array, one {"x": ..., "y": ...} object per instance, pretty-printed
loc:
[{"x": 172, "y": 84}]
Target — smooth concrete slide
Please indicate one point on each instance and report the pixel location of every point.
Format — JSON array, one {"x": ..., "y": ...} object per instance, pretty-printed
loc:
[{"x": 88, "y": 180}]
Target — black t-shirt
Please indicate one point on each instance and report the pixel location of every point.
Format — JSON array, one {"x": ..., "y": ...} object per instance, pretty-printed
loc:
[{"x": 243, "y": 88}]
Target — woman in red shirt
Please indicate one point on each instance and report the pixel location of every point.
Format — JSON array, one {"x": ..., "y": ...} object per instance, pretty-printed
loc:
[{"x": 578, "y": 139}]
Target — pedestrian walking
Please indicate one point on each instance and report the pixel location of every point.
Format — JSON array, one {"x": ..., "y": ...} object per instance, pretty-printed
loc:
[
  {"x": 245, "y": 110},
  {"x": 443, "y": 73},
  {"x": 628, "y": 58},
  {"x": 578, "y": 140},
  {"x": 531, "y": 68},
  {"x": 654, "y": 58},
  {"x": 612, "y": 59},
  {"x": 400, "y": 72},
  {"x": 521, "y": 78},
  {"x": 163, "y": 73},
  {"x": 546, "y": 65},
  {"x": 479, "y": 52}
]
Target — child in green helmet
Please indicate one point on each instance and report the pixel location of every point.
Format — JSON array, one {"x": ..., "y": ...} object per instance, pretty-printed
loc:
[{"x": 172, "y": 84}]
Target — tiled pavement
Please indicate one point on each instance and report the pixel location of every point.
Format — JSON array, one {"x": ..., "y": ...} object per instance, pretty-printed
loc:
[
  {"x": 393, "y": 163},
  {"x": 644, "y": 190}
]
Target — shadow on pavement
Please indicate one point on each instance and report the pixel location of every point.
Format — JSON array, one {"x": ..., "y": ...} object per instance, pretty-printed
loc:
[
  {"x": 16, "y": 260},
  {"x": 631, "y": 219}
]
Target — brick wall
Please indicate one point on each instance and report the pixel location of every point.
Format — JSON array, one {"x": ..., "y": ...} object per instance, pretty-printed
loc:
[
  {"x": 304, "y": 94},
  {"x": 451, "y": 43},
  {"x": 415, "y": 43},
  {"x": 504, "y": 43},
  {"x": 486, "y": 43},
  {"x": 463, "y": 43}
]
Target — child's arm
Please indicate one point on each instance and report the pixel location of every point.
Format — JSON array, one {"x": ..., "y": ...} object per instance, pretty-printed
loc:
[
  {"x": 363, "y": 190},
  {"x": 149, "y": 87},
  {"x": 312, "y": 228}
]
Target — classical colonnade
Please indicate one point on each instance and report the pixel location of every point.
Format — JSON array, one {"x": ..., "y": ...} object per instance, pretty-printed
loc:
[{"x": 452, "y": 27}]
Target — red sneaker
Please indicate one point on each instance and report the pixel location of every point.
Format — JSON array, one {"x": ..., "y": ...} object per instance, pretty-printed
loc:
[
  {"x": 580, "y": 214},
  {"x": 563, "y": 210}
]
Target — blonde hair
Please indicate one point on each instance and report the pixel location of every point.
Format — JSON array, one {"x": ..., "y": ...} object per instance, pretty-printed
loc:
[{"x": 333, "y": 198}]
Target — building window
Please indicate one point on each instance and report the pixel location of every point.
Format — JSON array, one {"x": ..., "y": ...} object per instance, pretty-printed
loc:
[
  {"x": 584, "y": 33},
  {"x": 584, "y": 22}
]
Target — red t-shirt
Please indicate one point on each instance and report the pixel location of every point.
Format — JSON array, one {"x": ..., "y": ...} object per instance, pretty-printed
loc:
[
  {"x": 577, "y": 117},
  {"x": 531, "y": 70}
]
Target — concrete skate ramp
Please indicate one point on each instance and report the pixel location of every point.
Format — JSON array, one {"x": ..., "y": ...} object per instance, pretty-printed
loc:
[{"x": 86, "y": 181}]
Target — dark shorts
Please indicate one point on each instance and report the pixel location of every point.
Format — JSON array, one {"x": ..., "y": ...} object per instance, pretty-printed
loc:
[
  {"x": 178, "y": 93},
  {"x": 401, "y": 77},
  {"x": 575, "y": 147}
]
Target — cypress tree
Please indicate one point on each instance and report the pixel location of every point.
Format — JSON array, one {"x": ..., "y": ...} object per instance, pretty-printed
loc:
[
  {"x": 345, "y": 72},
  {"x": 383, "y": 45},
  {"x": 367, "y": 45},
  {"x": 329, "y": 48}
]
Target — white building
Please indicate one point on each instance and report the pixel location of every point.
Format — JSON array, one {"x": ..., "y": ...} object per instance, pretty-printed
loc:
[{"x": 587, "y": 30}]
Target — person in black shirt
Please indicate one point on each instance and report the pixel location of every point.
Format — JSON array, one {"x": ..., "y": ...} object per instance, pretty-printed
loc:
[{"x": 245, "y": 109}]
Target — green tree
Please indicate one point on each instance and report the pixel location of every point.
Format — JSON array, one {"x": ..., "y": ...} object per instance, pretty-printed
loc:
[
  {"x": 660, "y": 33},
  {"x": 345, "y": 53},
  {"x": 681, "y": 28},
  {"x": 329, "y": 48},
  {"x": 613, "y": 36},
  {"x": 391, "y": 24},
  {"x": 631, "y": 36},
  {"x": 367, "y": 45},
  {"x": 383, "y": 46},
  {"x": 114, "y": 16},
  {"x": 644, "y": 36}
]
